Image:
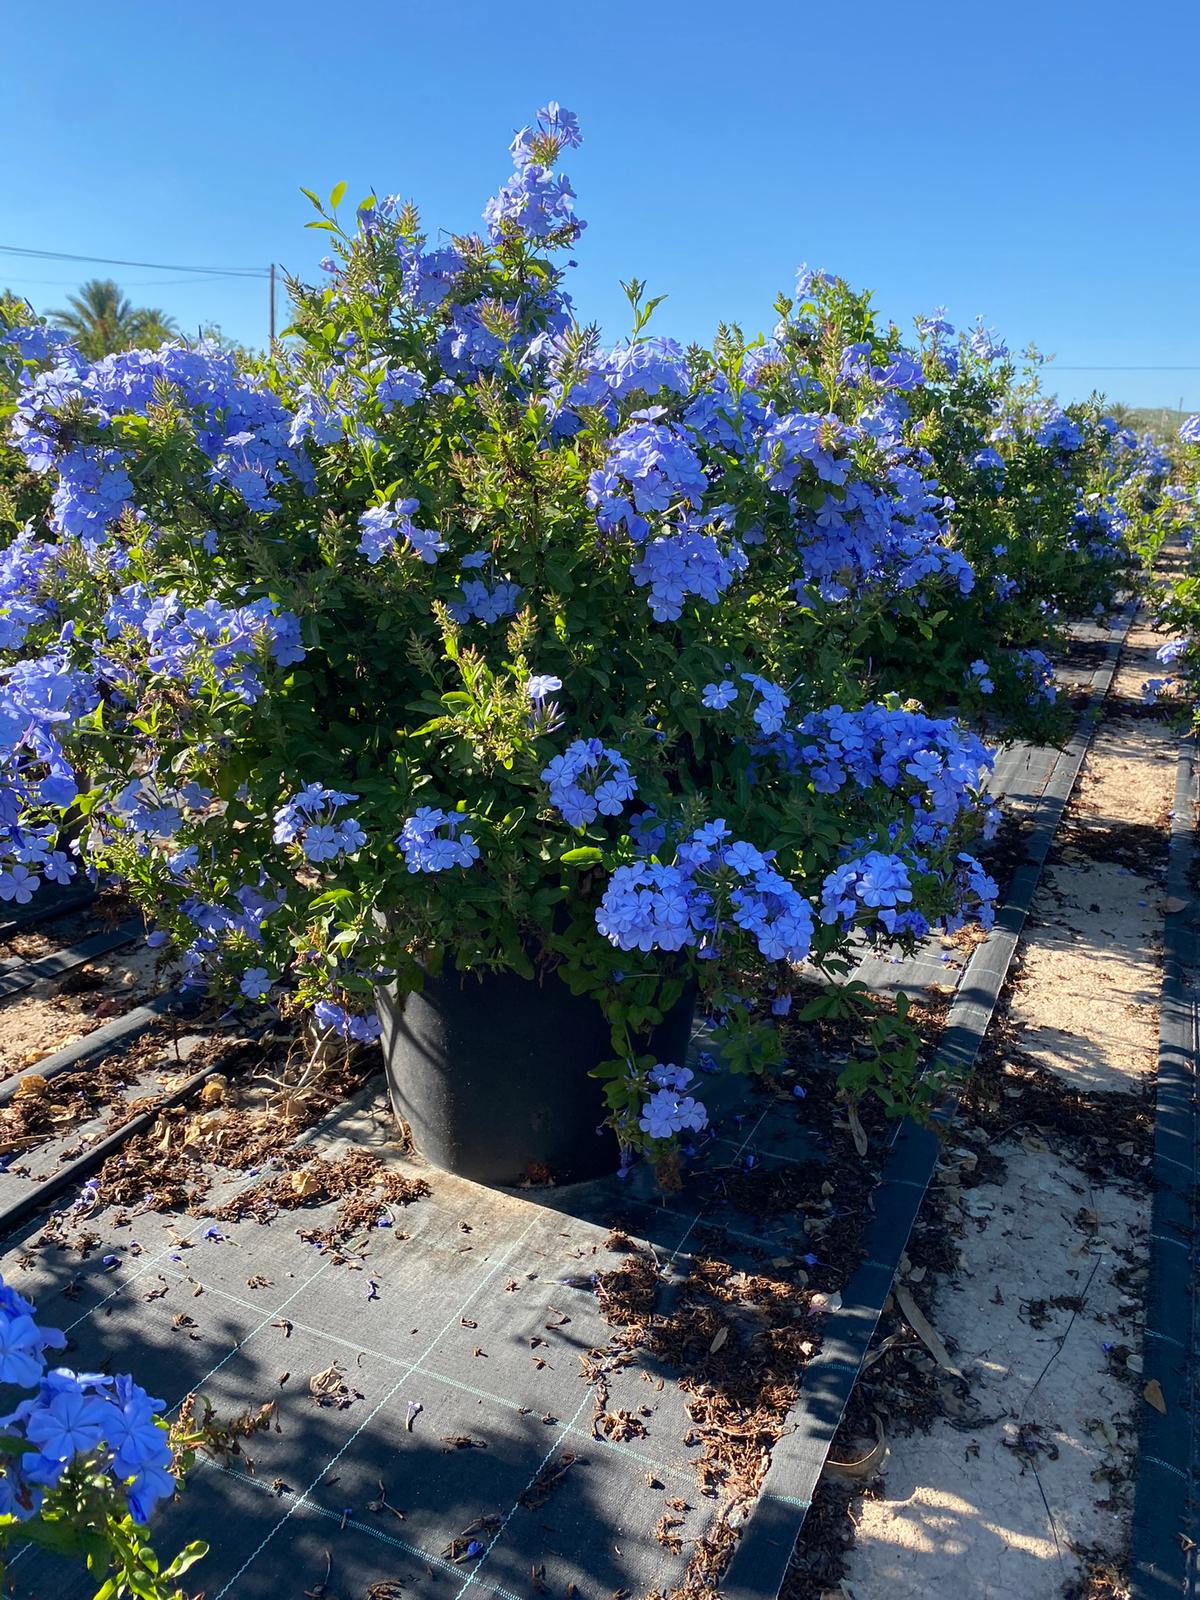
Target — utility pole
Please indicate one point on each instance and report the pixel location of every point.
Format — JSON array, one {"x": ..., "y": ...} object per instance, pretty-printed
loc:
[{"x": 272, "y": 275}]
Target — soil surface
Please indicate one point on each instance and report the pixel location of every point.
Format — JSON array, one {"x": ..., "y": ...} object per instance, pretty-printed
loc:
[
  {"x": 55, "y": 1012},
  {"x": 1011, "y": 1475}
]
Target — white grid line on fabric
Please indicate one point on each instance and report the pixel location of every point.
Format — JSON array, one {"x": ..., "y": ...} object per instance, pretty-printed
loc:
[
  {"x": 572, "y": 1428},
  {"x": 473, "y": 1576},
  {"x": 688, "y": 1231},
  {"x": 512, "y": 1511},
  {"x": 374, "y": 1533},
  {"x": 302, "y": 1499},
  {"x": 452, "y": 1383},
  {"x": 240, "y": 1344}
]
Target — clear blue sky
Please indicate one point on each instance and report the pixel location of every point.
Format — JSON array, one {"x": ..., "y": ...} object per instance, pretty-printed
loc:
[{"x": 1036, "y": 162}]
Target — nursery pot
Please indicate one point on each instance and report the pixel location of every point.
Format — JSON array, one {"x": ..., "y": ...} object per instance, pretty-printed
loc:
[{"x": 491, "y": 1074}]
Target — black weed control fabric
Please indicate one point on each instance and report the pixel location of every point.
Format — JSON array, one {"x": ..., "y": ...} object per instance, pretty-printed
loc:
[{"x": 1165, "y": 1527}]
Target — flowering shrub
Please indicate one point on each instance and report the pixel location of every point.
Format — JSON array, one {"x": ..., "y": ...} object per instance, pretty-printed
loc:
[
  {"x": 1178, "y": 600},
  {"x": 1043, "y": 503},
  {"x": 448, "y": 632},
  {"x": 84, "y": 1460}
]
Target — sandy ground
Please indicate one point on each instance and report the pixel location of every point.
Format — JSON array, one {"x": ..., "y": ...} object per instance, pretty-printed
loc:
[
  {"x": 1002, "y": 1509},
  {"x": 37, "y": 1023}
]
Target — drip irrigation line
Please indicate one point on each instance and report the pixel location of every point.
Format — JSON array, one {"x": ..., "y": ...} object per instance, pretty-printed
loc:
[
  {"x": 18, "y": 975},
  {"x": 776, "y": 1520},
  {"x": 121, "y": 1031},
  {"x": 1163, "y": 1554},
  {"x": 69, "y": 1176},
  {"x": 74, "y": 1172},
  {"x": 47, "y": 907}
]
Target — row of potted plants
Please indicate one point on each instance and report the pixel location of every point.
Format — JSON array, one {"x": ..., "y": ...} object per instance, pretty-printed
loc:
[
  {"x": 447, "y": 663},
  {"x": 451, "y": 676}
]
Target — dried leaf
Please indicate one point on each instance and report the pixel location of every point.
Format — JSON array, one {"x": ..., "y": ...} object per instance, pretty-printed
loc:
[
  {"x": 1153, "y": 1396},
  {"x": 865, "y": 1467},
  {"x": 857, "y": 1131},
  {"x": 718, "y": 1340},
  {"x": 924, "y": 1330}
]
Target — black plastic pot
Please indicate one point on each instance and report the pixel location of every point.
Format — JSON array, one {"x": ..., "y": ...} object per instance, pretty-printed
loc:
[{"x": 491, "y": 1074}]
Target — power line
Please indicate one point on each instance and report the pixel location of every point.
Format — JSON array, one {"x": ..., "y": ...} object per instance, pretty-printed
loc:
[
  {"x": 137, "y": 283},
  {"x": 1054, "y": 366},
  {"x": 116, "y": 261}
]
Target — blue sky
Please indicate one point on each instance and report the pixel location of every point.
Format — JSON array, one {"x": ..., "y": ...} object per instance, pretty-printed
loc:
[{"x": 1034, "y": 162}]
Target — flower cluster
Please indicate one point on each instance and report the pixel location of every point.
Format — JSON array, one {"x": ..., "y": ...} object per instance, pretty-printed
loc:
[
  {"x": 877, "y": 883},
  {"x": 309, "y": 821},
  {"x": 670, "y": 1109},
  {"x": 383, "y": 525},
  {"x": 239, "y": 430},
  {"x": 433, "y": 841},
  {"x": 935, "y": 762},
  {"x": 687, "y": 561},
  {"x": 588, "y": 780},
  {"x": 200, "y": 646},
  {"x": 86, "y": 1423},
  {"x": 713, "y": 886}
]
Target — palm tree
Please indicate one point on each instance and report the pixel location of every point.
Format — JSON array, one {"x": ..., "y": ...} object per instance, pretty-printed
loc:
[{"x": 101, "y": 320}]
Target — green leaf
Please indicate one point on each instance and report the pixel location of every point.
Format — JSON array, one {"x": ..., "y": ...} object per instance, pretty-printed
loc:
[
  {"x": 187, "y": 1557},
  {"x": 582, "y": 855},
  {"x": 338, "y": 195}
]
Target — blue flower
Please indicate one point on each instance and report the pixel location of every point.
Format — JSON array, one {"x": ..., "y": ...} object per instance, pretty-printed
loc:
[
  {"x": 351, "y": 1025},
  {"x": 381, "y": 525},
  {"x": 430, "y": 841},
  {"x": 667, "y": 1113},
  {"x": 542, "y": 685},
  {"x": 475, "y": 599},
  {"x": 556, "y": 129},
  {"x": 256, "y": 983},
  {"x": 18, "y": 883},
  {"x": 22, "y": 1343},
  {"x": 148, "y": 1488},
  {"x": 70, "y": 1424},
  {"x": 665, "y": 1075},
  {"x": 588, "y": 779}
]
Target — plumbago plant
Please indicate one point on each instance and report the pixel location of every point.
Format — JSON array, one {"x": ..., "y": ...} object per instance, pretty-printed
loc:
[
  {"x": 1177, "y": 600},
  {"x": 448, "y": 634},
  {"x": 84, "y": 1460},
  {"x": 1043, "y": 501},
  {"x": 1039, "y": 501}
]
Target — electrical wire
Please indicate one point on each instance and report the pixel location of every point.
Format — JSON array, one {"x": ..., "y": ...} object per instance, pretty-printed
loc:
[
  {"x": 117, "y": 261},
  {"x": 138, "y": 283}
]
